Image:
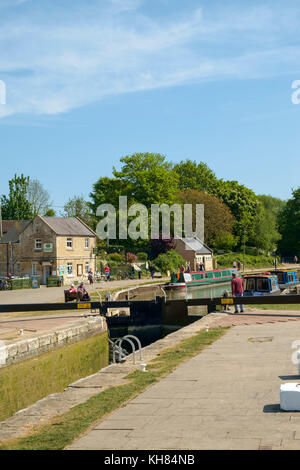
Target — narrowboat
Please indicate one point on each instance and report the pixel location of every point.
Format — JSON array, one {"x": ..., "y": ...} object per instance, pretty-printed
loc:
[
  {"x": 261, "y": 284},
  {"x": 199, "y": 278},
  {"x": 286, "y": 277}
]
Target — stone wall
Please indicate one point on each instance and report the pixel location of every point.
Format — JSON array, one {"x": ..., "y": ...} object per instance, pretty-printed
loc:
[{"x": 36, "y": 367}]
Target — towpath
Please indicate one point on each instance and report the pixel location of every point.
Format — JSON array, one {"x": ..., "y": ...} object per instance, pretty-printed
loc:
[{"x": 227, "y": 397}]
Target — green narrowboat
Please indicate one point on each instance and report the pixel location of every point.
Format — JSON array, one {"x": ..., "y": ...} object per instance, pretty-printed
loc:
[{"x": 200, "y": 278}]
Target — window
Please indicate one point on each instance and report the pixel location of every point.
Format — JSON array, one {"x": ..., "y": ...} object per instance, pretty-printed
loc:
[
  {"x": 280, "y": 277},
  {"x": 70, "y": 268},
  {"x": 70, "y": 243},
  {"x": 263, "y": 285},
  {"x": 34, "y": 269},
  {"x": 86, "y": 243},
  {"x": 37, "y": 244},
  {"x": 79, "y": 269},
  {"x": 250, "y": 284},
  {"x": 87, "y": 267}
]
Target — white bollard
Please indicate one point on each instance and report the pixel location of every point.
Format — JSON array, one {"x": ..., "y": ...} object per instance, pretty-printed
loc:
[{"x": 143, "y": 367}]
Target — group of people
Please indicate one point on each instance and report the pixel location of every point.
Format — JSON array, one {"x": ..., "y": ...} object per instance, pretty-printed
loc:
[
  {"x": 236, "y": 265},
  {"x": 186, "y": 269},
  {"x": 82, "y": 293}
]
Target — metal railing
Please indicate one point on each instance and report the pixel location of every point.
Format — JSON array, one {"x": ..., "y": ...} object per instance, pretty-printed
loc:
[{"x": 117, "y": 348}]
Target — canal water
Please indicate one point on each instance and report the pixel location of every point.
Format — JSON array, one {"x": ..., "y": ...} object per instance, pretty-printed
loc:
[
  {"x": 147, "y": 334},
  {"x": 207, "y": 292}
]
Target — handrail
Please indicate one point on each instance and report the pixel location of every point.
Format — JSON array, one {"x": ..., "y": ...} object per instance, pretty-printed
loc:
[
  {"x": 132, "y": 345},
  {"x": 138, "y": 342}
]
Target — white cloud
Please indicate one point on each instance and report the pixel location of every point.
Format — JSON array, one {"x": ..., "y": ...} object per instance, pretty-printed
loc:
[{"x": 51, "y": 64}]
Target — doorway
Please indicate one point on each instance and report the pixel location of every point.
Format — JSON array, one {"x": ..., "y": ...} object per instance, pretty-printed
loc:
[{"x": 46, "y": 273}]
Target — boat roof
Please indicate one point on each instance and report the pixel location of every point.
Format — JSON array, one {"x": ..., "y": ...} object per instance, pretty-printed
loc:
[
  {"x": 281, "y": 270},
  {"x": 264, "y": 275}
]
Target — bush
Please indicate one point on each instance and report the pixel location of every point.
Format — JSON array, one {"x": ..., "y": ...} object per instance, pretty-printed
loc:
[
  {"x": 250, "y": 260},
  {"x": 115, "y": 257},
  {"x": 142, "y": 256},
  {"x": 130, "y": 257},
  {"x": 170, "y": 261}
]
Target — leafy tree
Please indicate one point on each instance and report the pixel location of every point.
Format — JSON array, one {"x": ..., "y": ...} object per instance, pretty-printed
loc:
[
  {"x": 170, "y": 261},
  {"x": 78, "y": 207},
  {"x": 145, "y": 178},
  {"x": 217, "y": 216},
  {"x": 224, "y": 241},
  {"x": 148, "y": 178},
  {"x": 243, "y": 204},
  {"x": 265, "y": 230},
  {"x": 289, "y": 226},
  {"x": 17, "y": 206},
  {"x": 50, "y": 213},
  {"x": 161, "y": 245},
  {"x": 38, "y": 198},
  {"x": 193, "y": 175}
]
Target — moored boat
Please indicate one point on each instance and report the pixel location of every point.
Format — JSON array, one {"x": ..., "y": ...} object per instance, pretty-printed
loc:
[
  {"x": 286, "y": 277},
  {"x": 261, "y": 284},
  {"x": 199, "y": 278}
]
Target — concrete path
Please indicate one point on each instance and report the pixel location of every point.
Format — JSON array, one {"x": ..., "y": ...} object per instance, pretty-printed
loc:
[
  {"x": 52, "y": 405},
  {"x": 227, "y": 397},
  {"x": 56, "y": 294}
]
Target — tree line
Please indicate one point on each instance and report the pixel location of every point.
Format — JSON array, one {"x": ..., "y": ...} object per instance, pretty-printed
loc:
[{"x": 235, "y": 217}]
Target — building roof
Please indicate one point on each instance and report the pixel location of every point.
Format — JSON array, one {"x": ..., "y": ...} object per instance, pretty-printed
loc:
[
  {"x": 7, "y": 225},
  {"x": 13, "y": 233},
  {"x": 196, "y": 245},
  {"x": 69, "y": 226}
]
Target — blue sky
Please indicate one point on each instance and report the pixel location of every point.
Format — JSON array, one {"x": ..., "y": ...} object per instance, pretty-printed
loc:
[{"x": 90, "y": 82}]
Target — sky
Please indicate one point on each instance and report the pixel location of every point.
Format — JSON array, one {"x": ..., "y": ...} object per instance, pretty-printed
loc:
[{"x": 83, "y": 84}]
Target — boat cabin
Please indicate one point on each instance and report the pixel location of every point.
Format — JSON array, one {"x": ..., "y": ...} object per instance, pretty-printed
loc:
[
  {"x": 261, "y": 284},
  {"x": 286, "y": 277},
  {"x": 200, "y": 278}
]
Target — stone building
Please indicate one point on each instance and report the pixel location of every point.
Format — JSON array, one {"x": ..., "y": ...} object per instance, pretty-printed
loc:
[
  {"x": 47, "y": 246},
  {"x": 195, "y": 252}
]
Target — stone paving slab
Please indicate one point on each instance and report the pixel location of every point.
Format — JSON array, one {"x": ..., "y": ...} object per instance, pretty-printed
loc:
[
  {"x": 227, "y": 397},
  {"x": 81, "y": 390},
  {"x": 201, "y": 405}
]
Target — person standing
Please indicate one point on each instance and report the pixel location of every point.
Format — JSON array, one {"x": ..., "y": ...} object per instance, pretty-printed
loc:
[
  {"x": 237, "y": 289},
  {"x": 90, "y": 276},
  {"x": 152, "y": 270},
  {"x": 107, "y": 272}
]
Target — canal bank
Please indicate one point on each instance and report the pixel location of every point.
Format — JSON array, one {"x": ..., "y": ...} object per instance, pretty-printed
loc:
[{"x": 80, "y": 391}]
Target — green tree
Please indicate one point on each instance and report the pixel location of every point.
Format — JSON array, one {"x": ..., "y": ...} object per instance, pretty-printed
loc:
[
  {"x": 193, "y": 175},
  {"x": 16, "y": 205},
  {"x": 243, "y": 204},
  {"x": 78, "y": 207},
  {"x": 217, "y": 216},
  {"x": 265, "y": 234},
  {"x": 266, "y": 223},
  {"x": 147, "y": 178},
  {"x": 289, "y": 226}
]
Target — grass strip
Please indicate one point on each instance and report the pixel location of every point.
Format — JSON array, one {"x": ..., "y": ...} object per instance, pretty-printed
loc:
[{"x": 65, "y": 428}]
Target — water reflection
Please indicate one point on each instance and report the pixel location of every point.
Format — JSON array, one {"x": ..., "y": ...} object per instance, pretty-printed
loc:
[{"x": 207, "y": 292}]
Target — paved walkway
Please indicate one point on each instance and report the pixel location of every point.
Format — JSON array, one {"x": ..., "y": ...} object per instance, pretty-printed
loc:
[
  {"x": 227, "y": 397},
  {"x": 56, "y": 294}
]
